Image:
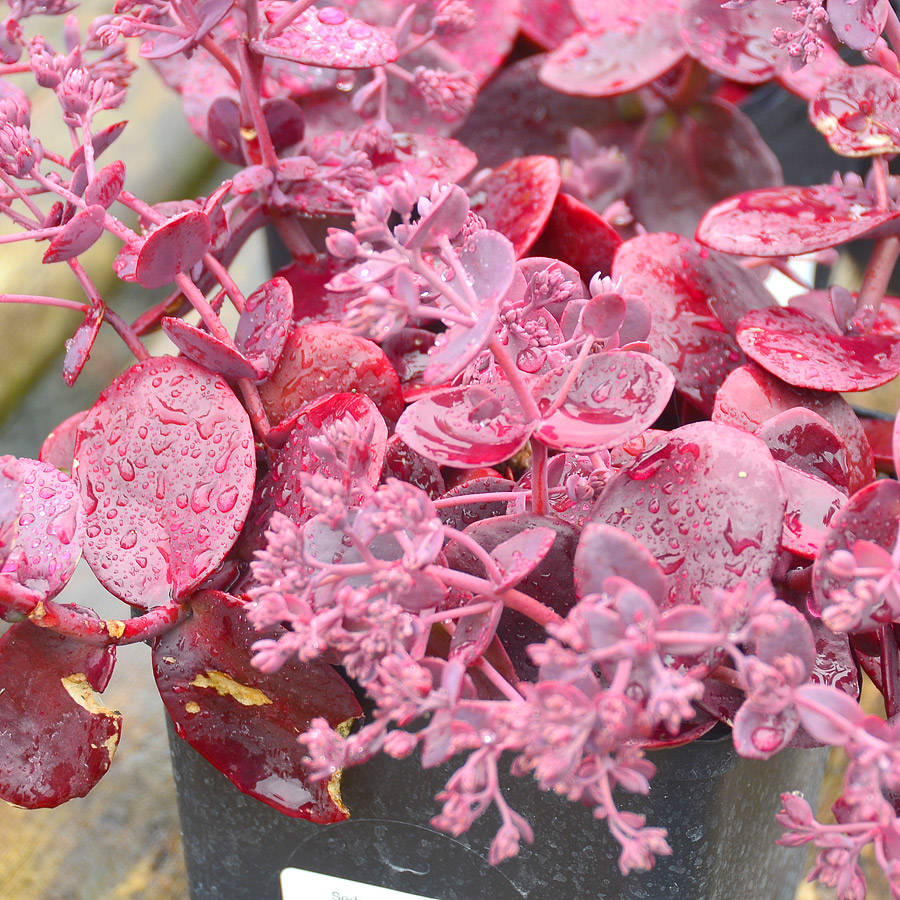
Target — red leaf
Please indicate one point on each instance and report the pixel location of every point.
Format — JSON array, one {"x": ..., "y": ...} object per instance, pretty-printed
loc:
[
  {"x": 58, "y": 449},
  {"x": 627, "y": 45},
  {"x": 327, "y": 37},
  {"x": 807, "y": 353},
  {"x": 516, "y": 198},
  {"x": 578, "y": 235},
  {"x": 788, "y": 221},
  {"x": 519, "y": 555},
  {"x": 78, "y": 347},
  {"x": 174, "y": 247},
  {"x": 77, "y": 235},
  {"x": 57, "y": 740},
  {"x": 858, "y": 23},
  {"x": 207, "y": 350},
  {"x": 750, "y": 396},
  {"x": 246, "y": 722},
  {"x": 50, "y": 530},
  {"x": 466, "y": 427},
  {"x": 684, "y": 163},
  {"x": 735, "y": 43},
  {"x": 321, "y": 359},
  {"x": 811, "y": 505},
  {"x": 615, "y": 397},
  {"x": 149, "y": 461},
  {"x": 101, "y": 141},
  {"x": 692, "y": 482},
  {"x": 856, "y": 110},
  {"x": 106, "y": 185}
]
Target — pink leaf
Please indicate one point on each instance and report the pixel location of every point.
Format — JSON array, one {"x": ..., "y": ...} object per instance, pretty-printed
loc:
[
  {"x": 615, "y": 397},
  {"x": 788, "y": 221},
  {"x": 695, "y": 481},
  {"x": 858, "y": 23},
  {"x": 835, "y": 703},
  {"x": 807, "y": 353},
  {"x": 78, "y": 347},
  {"x": 50, "y": 530},
  {"x": 207, "y": 350},
  {"x": 516, "y": 198},
  {"x": 174, "y": 247},
  {"x": 521, "y": 553},
  {"x": 856, "y": 110},
  {"x": 57, "y": 740},
  {"x": 735, "y": 43},
  {"x": 210, "y": 690},
  {"x": 811, "y": 505},
  {"x": 58, "y": 449},
  {"x": 160, "y": 514},
  {"x": 466, "y": 427},
  {"x": 77, "y": 235},
  {"x": 106, "y": 185},
  {"x": 625, "y": 47},
  {"x": 264, "y": 325}
]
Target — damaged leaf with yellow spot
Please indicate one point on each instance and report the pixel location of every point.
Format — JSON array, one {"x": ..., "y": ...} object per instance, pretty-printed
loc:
[
  {"x": 244, "y": 721},
  {"x": 56, "y": 737}
]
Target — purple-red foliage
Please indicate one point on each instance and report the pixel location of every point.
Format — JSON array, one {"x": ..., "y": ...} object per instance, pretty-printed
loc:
[{"x": 531, "y": 452}]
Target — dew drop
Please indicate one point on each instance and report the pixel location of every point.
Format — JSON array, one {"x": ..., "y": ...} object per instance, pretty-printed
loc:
[{"x": 128, "y": 540}]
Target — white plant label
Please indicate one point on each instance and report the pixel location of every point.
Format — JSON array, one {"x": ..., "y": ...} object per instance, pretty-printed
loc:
[{"x": 297, "y": 884}]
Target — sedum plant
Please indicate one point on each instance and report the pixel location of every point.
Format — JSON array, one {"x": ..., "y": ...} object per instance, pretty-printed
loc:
[{"x": 517, "y": 442}]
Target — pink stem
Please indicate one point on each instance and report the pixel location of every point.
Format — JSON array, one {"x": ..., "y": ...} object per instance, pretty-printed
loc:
[{"x": 875, "y": 281}]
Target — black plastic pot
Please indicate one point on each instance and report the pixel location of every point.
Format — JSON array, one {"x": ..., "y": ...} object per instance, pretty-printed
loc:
[{"x": 719, "y": 811}]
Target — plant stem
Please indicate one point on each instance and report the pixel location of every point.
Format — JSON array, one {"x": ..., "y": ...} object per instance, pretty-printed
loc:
[{"x": 875, "y": 281}]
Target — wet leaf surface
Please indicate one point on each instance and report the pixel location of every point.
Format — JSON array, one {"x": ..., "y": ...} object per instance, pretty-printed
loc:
[
  {"x": 48, "y": 535},
  {"x": 321, "y": 359},
  {"x": 806, "y": 353},
  {"x": 516, "y": 198},
  {"x": 78, "y": 234},
  {"x": 265, "y": 324},
  {"x": 174, "y": 247},
  {"x": 735, "y": 43},
  {"x": 57, "y": 739},
  {"x": 811, "y": 505},
  {"x": 150, "y": 456},
  {"x": 701, "y": 479},
  {"x": 857, "y": 111},
  {"x": 208, "y": 351},
  {"x": 789, "y": 221},
  {"x": 244, "y": 721},
  {"x": 78, "y": 347}
]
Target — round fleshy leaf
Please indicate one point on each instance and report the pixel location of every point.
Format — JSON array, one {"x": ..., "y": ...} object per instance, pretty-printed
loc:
[
  {"x": 58, "y": 449},
  {"x": 174, "y": 247},
  {"x": 78, "y": 234},
  {"x": 403, "y": 463},
  {"x": 858, "y": 23},
  {"x": 684, "y": 163},
  {"x": 857, "y": 111},
  {"x": 700, "y": 480},
  {"x": 751, "y": 396},
  {"x": 735, "y": 43},
  {"x": 578, "y": 235},
  {"x": 50, "y": 530},
  {"x": 607, "y": 552},
  {"x": 281, "y": 489},
  {"x": 56, "y": 738},
  {"x": 321, "y": 359},
  {"x": 327, "y": 37},
  {"x": 466, "y": 427},
  {"x": 811, "y": 505},
  {"x": 516, "y": 198},
  {"x": 264, "y": 325},
  {"x": 150, "y": 460},
  {"x": 244, "y": 721},
  {"x": 823, "y": 727},
  {"x": 521, "y": 553},
  {"x": 682, "y": 284},
  {"x": 615, "y": 397},
  {"x": 460, "y": 516},
  {"x": 627, "y": 46},
  {"x": 805, "y": 440},
  {"x": 759, "y": 733},
  {"x": 207, "y": 350},
  {"x": 807, "y": 353},
  {"x": 789, "y": 221}
]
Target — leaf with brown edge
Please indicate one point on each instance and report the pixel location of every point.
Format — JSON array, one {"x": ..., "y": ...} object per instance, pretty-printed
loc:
[
  {"x": 57, "y": 740},
  {"x": 244, "y": 721}
]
